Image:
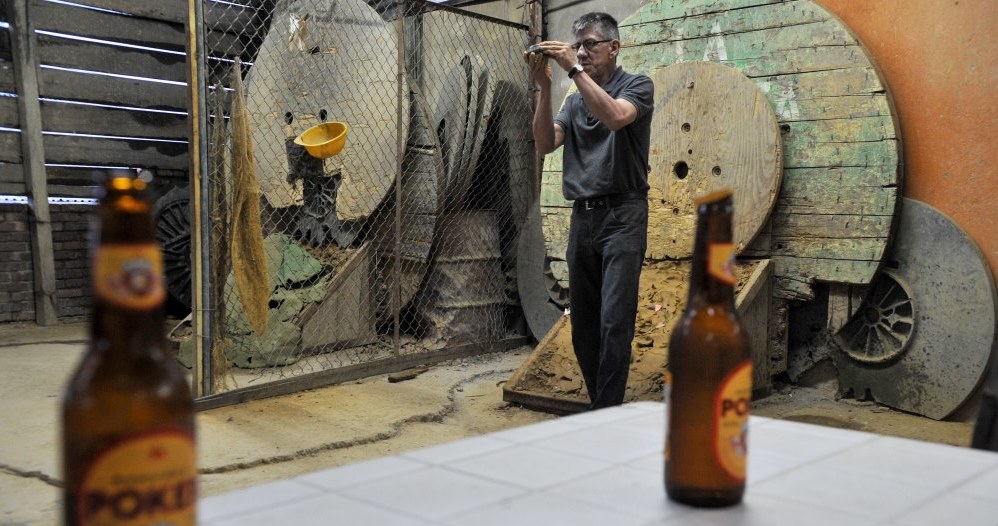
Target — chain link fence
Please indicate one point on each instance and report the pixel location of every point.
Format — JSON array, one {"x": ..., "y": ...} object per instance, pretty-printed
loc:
[{"x": 402, "y": 243}]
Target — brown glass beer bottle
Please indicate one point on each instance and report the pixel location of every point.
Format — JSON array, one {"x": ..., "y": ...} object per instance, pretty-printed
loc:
[
  {"x": 128, "y": 455},
  {"x": 709, "y": 378}
]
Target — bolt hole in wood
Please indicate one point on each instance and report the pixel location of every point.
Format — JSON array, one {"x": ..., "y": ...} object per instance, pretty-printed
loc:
[
  {"x": 288, "y": 118},
  {"x": 322, "y": 115},
  {"x": 716, "y": 170},
  {"x": 686, "y": 127},
  {"x": 784, "y": 128},
  {"x": 681, "y": 169}
]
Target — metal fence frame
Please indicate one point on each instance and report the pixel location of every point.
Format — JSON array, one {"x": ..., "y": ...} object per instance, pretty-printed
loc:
[{"x": 206, "y": 332}]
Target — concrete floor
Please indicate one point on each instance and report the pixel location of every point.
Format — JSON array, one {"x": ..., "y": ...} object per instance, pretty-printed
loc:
[
  {"x": 252, "y": 442},
  {"x": 294, "y": 434}
]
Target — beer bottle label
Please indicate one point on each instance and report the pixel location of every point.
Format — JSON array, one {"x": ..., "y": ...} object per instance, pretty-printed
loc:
[
  {"x": 147, "y": 480},
  {"x": 721, "y": 262},
  {"x": 129, "y": 276},
  {"x": 731, "y": 411}
]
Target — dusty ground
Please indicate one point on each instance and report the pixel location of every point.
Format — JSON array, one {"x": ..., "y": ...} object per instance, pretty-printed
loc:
[
  {"x": 289, "y": 435},
  {"x": 662, "y": 295}
]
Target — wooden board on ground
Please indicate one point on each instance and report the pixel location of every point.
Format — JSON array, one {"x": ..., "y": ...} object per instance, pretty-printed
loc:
[
  {"x": 334, "y": 61},
  {"x": 346, "y": 316},
  {"x": 550, "y": 379}
]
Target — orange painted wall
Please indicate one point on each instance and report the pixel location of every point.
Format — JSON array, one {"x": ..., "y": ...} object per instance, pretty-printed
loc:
[{"x": 939, "y": 59}]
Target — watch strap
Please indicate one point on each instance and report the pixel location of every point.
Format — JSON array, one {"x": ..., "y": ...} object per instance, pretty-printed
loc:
[{"x": 574, "y": 71}]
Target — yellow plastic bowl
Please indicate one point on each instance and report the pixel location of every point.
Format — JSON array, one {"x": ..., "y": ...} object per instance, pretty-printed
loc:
[{"x": 324, "y": 140}]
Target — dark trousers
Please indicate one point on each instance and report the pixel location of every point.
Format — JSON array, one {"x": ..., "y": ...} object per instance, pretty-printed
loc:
[{"x": 606, "y": 246}]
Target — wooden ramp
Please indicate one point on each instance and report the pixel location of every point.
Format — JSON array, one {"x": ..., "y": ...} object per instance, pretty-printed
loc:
[{"x": 550, "y": 379}]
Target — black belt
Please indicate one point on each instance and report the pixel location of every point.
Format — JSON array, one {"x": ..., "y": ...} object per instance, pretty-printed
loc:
[{"x": 606, "y": 201}]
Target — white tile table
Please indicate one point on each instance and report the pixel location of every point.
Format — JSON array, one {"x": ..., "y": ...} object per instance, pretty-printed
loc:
[{"x": 604, "y": 468}]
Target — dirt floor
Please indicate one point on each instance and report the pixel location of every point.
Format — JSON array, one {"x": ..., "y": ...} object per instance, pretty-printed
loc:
[
  {"x": 285, "y": 436},
  {"x": 661, "y": 298}
]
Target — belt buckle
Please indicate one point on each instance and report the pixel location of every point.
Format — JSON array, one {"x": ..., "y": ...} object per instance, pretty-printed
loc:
[{"x": 594, "y": 203}]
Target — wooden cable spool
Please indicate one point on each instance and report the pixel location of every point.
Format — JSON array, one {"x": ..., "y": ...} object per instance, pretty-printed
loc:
[
  {"x": 833, "y": 216},
  {"x": 328, "y": 61}
]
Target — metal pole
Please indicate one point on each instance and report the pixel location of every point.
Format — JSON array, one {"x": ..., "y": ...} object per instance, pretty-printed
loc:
[
  {"x": 203, "y": 381},
  {"x": 400, "y": 156}
]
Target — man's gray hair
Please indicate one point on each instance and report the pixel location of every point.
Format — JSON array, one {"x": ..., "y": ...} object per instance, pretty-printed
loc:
[{"x": 603, "y": 23}]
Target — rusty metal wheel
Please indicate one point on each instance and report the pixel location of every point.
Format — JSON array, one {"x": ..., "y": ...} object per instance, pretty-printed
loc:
[{"x": 883, "y": 326}]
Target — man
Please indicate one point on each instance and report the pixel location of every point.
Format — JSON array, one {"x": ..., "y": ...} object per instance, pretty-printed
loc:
[{"x": 605, "y": 128}]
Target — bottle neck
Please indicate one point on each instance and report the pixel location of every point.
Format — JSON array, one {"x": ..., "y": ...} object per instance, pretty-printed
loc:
[
  {"x": 128, "y": 286},
  {"x": 712, "y": 277}
]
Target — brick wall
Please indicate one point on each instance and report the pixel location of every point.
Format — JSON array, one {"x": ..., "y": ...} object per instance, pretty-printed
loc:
[
  {"x": 70, "y": 239},
  {"x": 70, "y": 244},
  {"x": 17, "y": 301}
]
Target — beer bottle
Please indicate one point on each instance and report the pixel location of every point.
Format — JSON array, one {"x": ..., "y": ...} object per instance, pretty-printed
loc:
[
  {"x": 709, "y": 378},
  {"x": 128, "y": 455}
]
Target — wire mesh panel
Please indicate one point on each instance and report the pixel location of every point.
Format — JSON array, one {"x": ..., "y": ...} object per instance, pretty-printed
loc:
[{"x": 369, "y": 167}]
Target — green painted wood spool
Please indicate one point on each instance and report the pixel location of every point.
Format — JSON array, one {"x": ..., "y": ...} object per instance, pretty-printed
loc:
[{"x": 841, "y": 168}]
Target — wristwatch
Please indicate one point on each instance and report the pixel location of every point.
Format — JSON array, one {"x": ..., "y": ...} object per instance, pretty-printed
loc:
[{"x": 575, "y": 70}]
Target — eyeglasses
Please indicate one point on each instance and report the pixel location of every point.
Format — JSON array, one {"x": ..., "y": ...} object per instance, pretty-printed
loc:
[{"x": 589, "y": 44}]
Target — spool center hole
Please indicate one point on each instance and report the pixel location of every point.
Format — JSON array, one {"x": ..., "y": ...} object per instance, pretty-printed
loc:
[
  {"x": 872, "y": 315},
  {"x": 681, "y": 169}
]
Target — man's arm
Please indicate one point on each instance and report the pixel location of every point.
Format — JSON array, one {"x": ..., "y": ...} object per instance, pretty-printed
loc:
[
  {"x": 613, "y": 113},
  {"x": 548, "y": 136}
]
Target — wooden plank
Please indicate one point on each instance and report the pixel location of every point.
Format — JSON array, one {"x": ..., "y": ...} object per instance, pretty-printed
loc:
[
  {"x": 650, "y": 57},
  {"x": 750, "y": 33},
  {"x": 673, "y": 9},
  {"x": 63, "y": 190},
  {"x": 77, "y": 118},
  {"x": 59, "y": 84},
  {"x": 11, "y": 172},
  {"x": 90, "y": 56},
  {"x": 796, "y": 274},
  {"x": 76, "y": 20},
  {"x": 18, "y": 188},
  {"x": 551, "y": 194},
  {"x": 12, "y": 188},
  {"x": 5, "y": 52},
  {"x": 814, "y": 84},
  {"x": 852, "y": 201},
  {"x": 380, "y": 366},
  {"x": 9, "y": 117},
  {"x": 81, "y": 21},
  {"x": 839, "y": 130},
  {"x": 554, "y": 224},
  {"x": 797, "y": 180},
  {"x": 7, "y": 77},
  {"x": 644, "y": 28},
  {"x": 24, "y": 51},
  {"x": 327, "y": 323},
  {"x": 830, "y": 107},
  {"x": 110, "y": 152},
  {"x": 829, "y": 225},
  {"x": 831, "y": 248},
  {"x": 229, "y": 17},
  {"x": 880, "y": 153}
]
